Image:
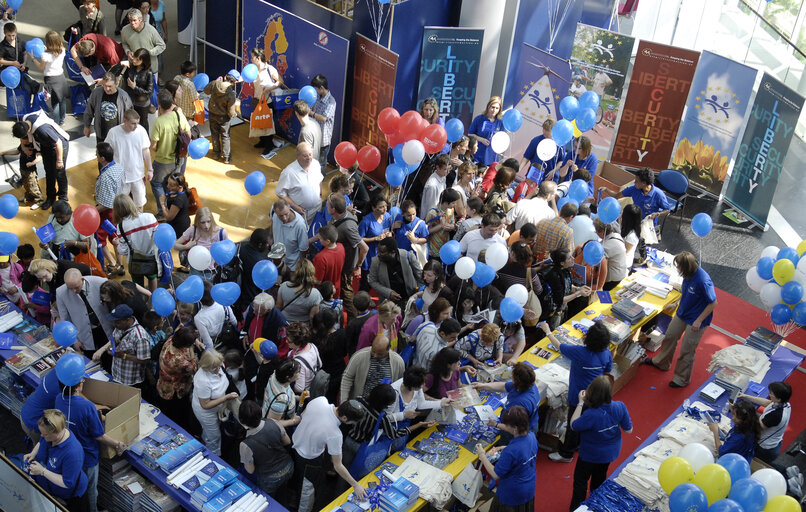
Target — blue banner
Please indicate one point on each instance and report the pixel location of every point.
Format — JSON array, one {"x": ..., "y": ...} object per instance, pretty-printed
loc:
[
  {"x": 716, "y": 111},
  {"x": 770, "y": 127},
  {"x": 449, "y": 69},
  {"x": 299, "y": 50}
]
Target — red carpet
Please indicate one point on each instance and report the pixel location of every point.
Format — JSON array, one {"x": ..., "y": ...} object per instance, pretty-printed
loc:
[{"x": 650, "y": 400}]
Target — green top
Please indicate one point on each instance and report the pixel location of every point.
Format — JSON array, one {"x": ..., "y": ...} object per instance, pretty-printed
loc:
[{"x": 164, "y": 133}]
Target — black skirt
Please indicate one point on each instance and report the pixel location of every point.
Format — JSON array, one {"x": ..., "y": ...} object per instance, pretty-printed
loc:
[{"x": 497, "y": 506}]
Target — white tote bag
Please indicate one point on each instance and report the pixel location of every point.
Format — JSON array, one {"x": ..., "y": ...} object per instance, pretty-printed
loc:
[{"x": 467, "y": 486}]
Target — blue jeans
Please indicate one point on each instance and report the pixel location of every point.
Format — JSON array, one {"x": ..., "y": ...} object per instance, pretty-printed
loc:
[
  {"x": 92, "y": 487},
  {"x": 323, "y": 157},
  {"x": 768, "y": 454}
]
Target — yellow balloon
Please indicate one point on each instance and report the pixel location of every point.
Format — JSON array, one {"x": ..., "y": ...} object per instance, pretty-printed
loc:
[
  {"x": 673, "y": 472},
  {"x": 782, "y": 503},
  {"x": 802, "y": 248},
  {"x": 714, "y": 480},
  {"x": 256, "y": 344},
  {"x": 577, "y": 133},
  {"x": 783, "y": 271}
]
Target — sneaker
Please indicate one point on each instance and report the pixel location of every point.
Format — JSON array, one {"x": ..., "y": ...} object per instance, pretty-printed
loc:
[
  {"x": 227, "y": 159},
  {"x": 35, "y": 206},
  {"x": 795, "y": 488},
  {"x": 556, "y": 457},
  {"x": 279, "y": 143},
  {"x": 792, "y": 471}
]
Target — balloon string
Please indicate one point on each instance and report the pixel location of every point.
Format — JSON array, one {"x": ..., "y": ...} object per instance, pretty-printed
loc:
[{"x": 247, "y": 214}]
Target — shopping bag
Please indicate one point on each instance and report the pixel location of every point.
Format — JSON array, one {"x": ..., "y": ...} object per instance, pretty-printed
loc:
[
  {"x": 78, "y": 98},
  {"x": 73, "y": 66},
  {"x": 467, "y": 486},
  {"x": 262, "y": 116},
  {"x": 16, "y": 103},
  {"x": 371, "y": 454},
  {"x": 198, "y": 111}
]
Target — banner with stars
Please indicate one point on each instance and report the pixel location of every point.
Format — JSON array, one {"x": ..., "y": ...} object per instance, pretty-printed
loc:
[
  {"x": 600, "y": 59},
  {"x": 715, "y": 115},
  {"x": 542, "y": 82}
]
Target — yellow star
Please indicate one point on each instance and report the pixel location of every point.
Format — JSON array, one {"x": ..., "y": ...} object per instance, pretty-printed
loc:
[
  {"x": 718, "y": 88},
  {"x": 697, "y": 98},
  {"x": 710, "y": 89},
  {"x": 702, "y": 92},
  {"x": 557, "y": 96},
  {"x": 697, "y": 106},
  {"x": 710, "y": 118},
  {"x": 553, "y": 89},
  {"x": 531, "y": 83},
  {"x": 737, "y": 102},
  {"x": 702, "y": 113},
  {"x": 522, "y": 93},
  {"x": 733, "y": 95}
]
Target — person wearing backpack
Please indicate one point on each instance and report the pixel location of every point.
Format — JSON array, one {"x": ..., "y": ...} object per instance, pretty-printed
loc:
[
  {"x": 615, "y": 252},
  {"x": 222, "y": 110},
  {"x": 307, "y": 354},
  {"x": 164, "y": 136}
]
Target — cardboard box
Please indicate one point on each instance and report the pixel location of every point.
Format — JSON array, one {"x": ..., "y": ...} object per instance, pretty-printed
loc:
[
  {"x": 612, "y": 177},
  {"x": 623, "y": 371},
  {"x": 123, "y": 419}
]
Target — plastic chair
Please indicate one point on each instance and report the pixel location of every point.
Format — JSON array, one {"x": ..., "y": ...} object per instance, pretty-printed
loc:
[{"x": 675, "y": 185}]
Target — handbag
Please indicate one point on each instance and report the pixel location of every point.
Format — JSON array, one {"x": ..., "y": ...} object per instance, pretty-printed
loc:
[
  {"x": 372, "y": 453},
  {"x": 532, "y": 302},
  {"x": 261, "y": 118},
  {"x": 420, "y": 250},
  {"x": 228, "y": 336},
  {"x": 89, "y": 259},
  {"x": 78, "y": 98},
  {"x": 467, "y": 485},
  {"x": 198, "y": 111},
  {"x": 140, "y": 264}
]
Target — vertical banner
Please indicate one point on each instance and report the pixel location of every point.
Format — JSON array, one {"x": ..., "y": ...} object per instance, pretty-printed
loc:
[
  {"x": 600, "y": 59},
  {"x": 373, "y": 90},
  {"x": 449, "y": 69},
  {"x": 770, "y": 127},
  {"x": 299, "y": 50},
  {"x": 542, "y": 81},
  {"x": 715, "y": 115},
  {"x": 659, "y": 85}
]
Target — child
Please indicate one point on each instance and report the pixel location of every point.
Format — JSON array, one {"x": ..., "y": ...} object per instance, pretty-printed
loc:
[
  {"x": 514, "y": 342},
  {"x": 329, "y": 262},
  {"x": 153, "y": 323},
  {"x": 189, "y": 93},
  {"x": 25, "y": 253},
  {"x": 481, "y": 345},
  {"x": 328, "y": 290},
  {"x": 30, "y": 285},
  {"x": 233, "y": 364},
  {"x": 183, "y": 316},
  {"x": 440, "y": 222},
  {"x": 29, "y": 157},
  {"x": 222, "y": 110},
  {"x": 10, "y": 283},
  {"x": 52, "y": 63}
]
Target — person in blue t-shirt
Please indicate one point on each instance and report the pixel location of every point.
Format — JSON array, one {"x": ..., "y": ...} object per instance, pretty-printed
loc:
[
  {"x": 42, "y": 398},
  {"x": 484, "y": 126},
  {"x": 693, "y": 315},
  {"x": 587, "y": 362},
  {"x": 743, "y": 434},
  {"x": 530, "y": 157},
  {"x": 515, "y": 469},
  {"x": 55, "y": 462},
  {"x": 521, "y": 390},
  {"x": 85, "y": 425},
  {"x": 374, "y": 227},
  {"x": 409, "y": 228},
  {"x": 650, "y": 199},
  {"x": 599, "y": 421},
  {"x": 581, "y": 157}
]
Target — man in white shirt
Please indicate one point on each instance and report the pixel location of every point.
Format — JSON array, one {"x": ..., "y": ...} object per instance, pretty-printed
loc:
[
  {"x": 480, "y": 239},
  {"x": 535, "y": 209},
  {"x": 311, "y": 131},
  {"x": 435, "y": 185},
  {"x": 431, "y": 339},
  {"x": 131, "y": 143},
  {"x": 318, "y": 430},
  {"x": 289, "y": 228},
  {"x": 300, "y": 183}
]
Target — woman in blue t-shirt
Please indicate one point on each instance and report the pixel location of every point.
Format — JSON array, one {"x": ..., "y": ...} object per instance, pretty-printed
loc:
[
  {"x": 521, "y": 391},
  {"x": 484, "y": 126},
  {"x": 743, "y": 434},
  {"x": 375, "y": 227},
  {"x": 599, "y": 421},
  {"x": 581, "y": 157},
  {"x": 515, "y": 468}
]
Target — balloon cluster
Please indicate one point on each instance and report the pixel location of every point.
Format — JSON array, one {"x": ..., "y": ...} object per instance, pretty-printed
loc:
[
  {"x": 579, "y": 115},
  {"x": 697, "y": 483},
  {"x": 347, "y": 155},
  {"x": 779, "y": 277}
]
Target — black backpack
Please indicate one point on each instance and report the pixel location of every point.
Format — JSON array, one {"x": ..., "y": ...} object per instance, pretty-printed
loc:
[
  {"x": 232, "y": 271},
  {"x": 182, "y": 140},
  {"x": 545, "y": 296}
]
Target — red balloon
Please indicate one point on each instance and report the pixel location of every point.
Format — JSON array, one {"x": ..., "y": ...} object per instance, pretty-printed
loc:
[
  {"x": 434, "y": 138},
  {"x": 86, "y": 219},
  {"x": 410, "y": 127},
  {"x": 345, "y": 154},
  {"x": 394, "y": 139},
  {"x": 423, "y": 125},
  {"x": 388, "y": 120},
  {"x": 368, "y": 158}
]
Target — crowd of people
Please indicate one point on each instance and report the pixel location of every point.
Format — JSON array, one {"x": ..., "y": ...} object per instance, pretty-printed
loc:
[{"x": 367, "y": 324}]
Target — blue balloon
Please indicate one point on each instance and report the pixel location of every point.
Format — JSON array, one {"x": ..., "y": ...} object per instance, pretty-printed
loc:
[
  {"x": 799, "y": 314},
  {"x": 249, "y": 73},
  {"x": 191, "y": 290},
  {"x": 586, "y": 119},
  {"x": 268, "y": 349},
  {"x": 725, "y": 505},
  {"x": 593, "y": 253},
  {"x": 70, "y": 369},
  {"x": 397, "y": 152},
  {"x": 411, "y": 168},
  {"x": 750, "y": 494},
  {"x": 14, "y": 4},
  {"x": 223, "y": 251},
  {"x": 384, "y": 2},
  {"x": 792, "y": 292},
  {"x": 578, "y": 191},
  {"x": 35, "y": 47},
  {"x": 198, "y": 148},
  {"x": 562, "y": 201},
  {"x": 308, "y": 93},
  {"x": 8, "y": 243},
  {"x": 737, "y": 466},
  {"x": 450, "y": 252},
  {"x": 510, "y": 310},
  {"x": 789, "y": 253},
  {"x": 164, "y": 237},
  {"x": 255, "y": 183},
  {"x": 609, "y": 209},
  {"x": 264, "y": 274},
  {"x": 9, "y": 206},
  {"x": 569, "y": 107},
  {"x": 484, "y": 275},
  {"x": 780, "y": 315},
  {"x": 589, "y": 100},
  {"x": 454, "y": 128},
  {"x": 512, "y": 120},
  {"x": 162, "y": 302},
  {"x": 200, "y": 81},
  {"x": 701, "y": 224},
  {"x": 225, "y": 294},
  {"x": 65, "y": 333},
  {"x": 688, "y": 498},
  {"x": 395, "y": 174},
  {"x": 10, "y": 77},
  {"x": 562, "y": 132},
  {"x": 764, "y": 267},
  {"x": 419, "y": 303},
  {"x": 395, "y": 213}
]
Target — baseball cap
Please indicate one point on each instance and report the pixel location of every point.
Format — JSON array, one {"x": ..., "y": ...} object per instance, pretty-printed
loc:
[
  {"x": 234, "y": 74},
  {"x": 277, "y": 251},
  {"x": 120, "y": 312},
  {"x": 5, "y": 259}
]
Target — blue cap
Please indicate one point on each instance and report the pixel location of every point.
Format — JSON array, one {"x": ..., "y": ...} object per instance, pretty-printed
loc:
[
  {"x": 120, "y": 312},
  {"x": 234, "y": 74}
]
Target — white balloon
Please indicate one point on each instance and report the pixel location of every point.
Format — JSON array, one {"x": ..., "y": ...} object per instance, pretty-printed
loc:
[
  {"x": 519, "y": 293},
  {"x": 583, "y": 229},
  {"x": 546, "y": 149},
  {"x": 772, "y": 480},
  {"x": 199, "y": 257},
  {"x": 413, "y": 152},
  {"x": 800, "y": 276},
  {"x": 698, "y": 455},
  {"x": 769, "y": 252},
  {"x": 754, "y": 281},
  {"x": 496, "y": 256},
  {"x": 770, "y": 295},
  {"x": 465, "y": 267},
  {"x": 499, "y": 142},
  {"x": 801, "y": 265}
]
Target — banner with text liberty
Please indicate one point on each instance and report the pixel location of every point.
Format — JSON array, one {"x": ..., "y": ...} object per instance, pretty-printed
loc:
[
  {"x": 449, "y": 70},
  {"x": 656, "y": 96},
  {"x": 766, "y": 139}
]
